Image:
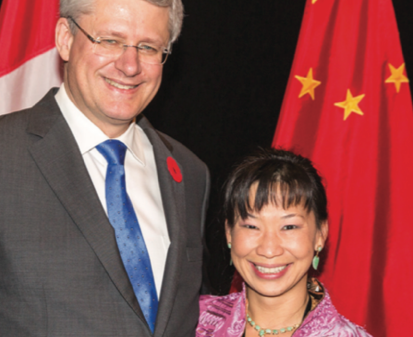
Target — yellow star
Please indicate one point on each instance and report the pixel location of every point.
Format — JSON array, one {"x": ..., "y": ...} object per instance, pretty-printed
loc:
[
  {"x": 309, "y": 84},
  {"x": 314, "y": 1},
  {"x": 350, "y": 104},
  {"x": 397, "y": 77}
]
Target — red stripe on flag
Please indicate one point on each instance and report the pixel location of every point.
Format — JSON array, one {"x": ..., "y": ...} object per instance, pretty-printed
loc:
[
  {"x": 348, "y": 108},
  {"x": 27, "y": 29}
]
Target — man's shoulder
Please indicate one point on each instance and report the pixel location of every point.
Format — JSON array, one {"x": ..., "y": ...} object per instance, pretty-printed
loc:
[
  {"x": 13, "y": 126},
  {"x": 180, "y": 152},
  {"x": 178, "y": 149},
  {"x": 15, "y": 118},
  {"x": 17, "y": 122}
]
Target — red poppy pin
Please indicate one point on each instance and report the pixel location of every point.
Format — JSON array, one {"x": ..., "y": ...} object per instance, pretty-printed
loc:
[{"x": 173, "y": 169}]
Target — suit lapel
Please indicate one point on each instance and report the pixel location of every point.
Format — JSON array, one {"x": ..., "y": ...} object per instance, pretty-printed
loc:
[
  {"x": 57, "y": 155},
  {"x": 173, "y": 198}
]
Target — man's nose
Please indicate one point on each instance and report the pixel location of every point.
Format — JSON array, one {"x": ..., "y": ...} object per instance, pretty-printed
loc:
[{"x": 129, "y": 62}]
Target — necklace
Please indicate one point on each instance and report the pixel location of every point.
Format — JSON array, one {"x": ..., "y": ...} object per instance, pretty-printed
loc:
[{"x": 262, "y": 332}]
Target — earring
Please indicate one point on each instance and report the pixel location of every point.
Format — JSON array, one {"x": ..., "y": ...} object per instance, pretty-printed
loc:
[
  {"x": 230, "y": 259},
  {"x": 316, "y": 259}
]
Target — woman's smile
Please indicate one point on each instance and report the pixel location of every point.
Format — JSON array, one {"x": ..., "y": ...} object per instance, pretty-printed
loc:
[{"x": 270, "y": 272}]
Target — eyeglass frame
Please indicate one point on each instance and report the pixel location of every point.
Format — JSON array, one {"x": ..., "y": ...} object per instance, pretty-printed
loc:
[{"x": 165, "y": 51}]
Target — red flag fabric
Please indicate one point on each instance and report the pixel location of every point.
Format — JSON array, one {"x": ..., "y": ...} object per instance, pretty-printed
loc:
[
  {"x": 29, "y": 63},
  {"x": 348, "y": 108}
]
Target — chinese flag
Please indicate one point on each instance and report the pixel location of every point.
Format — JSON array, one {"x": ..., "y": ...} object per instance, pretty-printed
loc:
[
  {"x": 29, "y": 62},
  {"x": 348, "y": 108}
]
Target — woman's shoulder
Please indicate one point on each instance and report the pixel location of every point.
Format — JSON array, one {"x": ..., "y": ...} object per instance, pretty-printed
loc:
[
  {"x": 352, "y": 328},
  {"x": 205, "y": 300},
  {"x": 325, "y": 320},
  {"x": 221, "y": 315}
]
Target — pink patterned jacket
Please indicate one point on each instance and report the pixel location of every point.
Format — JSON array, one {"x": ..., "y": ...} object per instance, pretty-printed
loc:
[{"x": 225, "y": 317}]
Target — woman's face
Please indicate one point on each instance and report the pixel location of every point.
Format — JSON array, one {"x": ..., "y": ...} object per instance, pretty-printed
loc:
[{"x": 273, "y": 249}]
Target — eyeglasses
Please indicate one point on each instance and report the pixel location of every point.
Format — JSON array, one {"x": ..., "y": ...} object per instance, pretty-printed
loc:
[{"x": 114, "y": 47}]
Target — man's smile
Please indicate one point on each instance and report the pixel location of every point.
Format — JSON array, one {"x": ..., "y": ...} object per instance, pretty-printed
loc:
[{"x": 119, "y": 85}]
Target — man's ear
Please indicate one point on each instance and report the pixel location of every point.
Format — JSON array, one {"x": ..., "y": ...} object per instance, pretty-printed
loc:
[{"x": 63, "y": 38}]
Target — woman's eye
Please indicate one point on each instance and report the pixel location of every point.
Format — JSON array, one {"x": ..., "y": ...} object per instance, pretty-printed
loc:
[
  {"x": 289, "y": 227},
  {"x": 249, "y": 226}
]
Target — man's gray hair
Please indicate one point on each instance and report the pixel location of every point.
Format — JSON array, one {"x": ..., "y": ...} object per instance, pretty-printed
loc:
[{"x": 76, "y": 8}]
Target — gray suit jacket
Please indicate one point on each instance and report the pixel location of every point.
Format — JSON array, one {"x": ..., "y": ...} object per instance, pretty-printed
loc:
[{"x": 60, "y": 270}]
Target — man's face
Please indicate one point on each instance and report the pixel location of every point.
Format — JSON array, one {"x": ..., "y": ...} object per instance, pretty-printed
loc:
[{"x": 111, "y": 92}]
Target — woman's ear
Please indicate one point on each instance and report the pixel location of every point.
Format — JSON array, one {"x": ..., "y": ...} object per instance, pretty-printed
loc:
[
  {"x": 228, "y": 232},
  {"x": 63, "y": 38},
  {"x": 322, "y": 235}
]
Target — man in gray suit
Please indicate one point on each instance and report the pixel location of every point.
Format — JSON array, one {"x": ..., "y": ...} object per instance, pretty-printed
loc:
[{"x": 101, "y": 215}]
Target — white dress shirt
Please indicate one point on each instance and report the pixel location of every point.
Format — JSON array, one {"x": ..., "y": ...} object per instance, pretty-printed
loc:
[{"x": 141, "y": 176}]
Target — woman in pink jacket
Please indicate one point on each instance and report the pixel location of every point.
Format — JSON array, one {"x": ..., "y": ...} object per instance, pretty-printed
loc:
[{"x": 276, "y": 225}]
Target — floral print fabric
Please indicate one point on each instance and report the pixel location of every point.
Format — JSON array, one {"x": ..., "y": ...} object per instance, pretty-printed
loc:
[{"x": 224, "y": 316}]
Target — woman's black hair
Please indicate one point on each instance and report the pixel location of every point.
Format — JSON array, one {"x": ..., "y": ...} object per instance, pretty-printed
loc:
[{"x": 281, "y": 177}]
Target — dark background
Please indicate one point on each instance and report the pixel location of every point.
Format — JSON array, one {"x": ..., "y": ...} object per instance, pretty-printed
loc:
[{"x": 223, "y": 87}]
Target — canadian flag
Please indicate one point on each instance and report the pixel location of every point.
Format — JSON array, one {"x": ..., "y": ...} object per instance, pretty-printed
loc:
[{"x": 29, "y": 62}]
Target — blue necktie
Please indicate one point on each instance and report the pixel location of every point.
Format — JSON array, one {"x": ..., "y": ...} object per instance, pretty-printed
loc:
[{"x": 128, "y": 233}]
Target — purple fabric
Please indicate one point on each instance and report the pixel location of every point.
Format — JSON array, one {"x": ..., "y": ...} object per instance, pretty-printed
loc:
[{"x": 225, "y": 317}]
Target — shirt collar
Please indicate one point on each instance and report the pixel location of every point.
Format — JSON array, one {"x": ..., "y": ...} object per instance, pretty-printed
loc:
[{"x": 88, "y": 135}]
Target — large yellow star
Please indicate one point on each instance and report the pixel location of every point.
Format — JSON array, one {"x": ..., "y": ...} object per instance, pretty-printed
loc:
[
  {"x": 397, "y": 77},
  {"x": 314, "y": 1},
  {"x": 309, "y": 84},
  {"x": 350, "y": 104}
]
